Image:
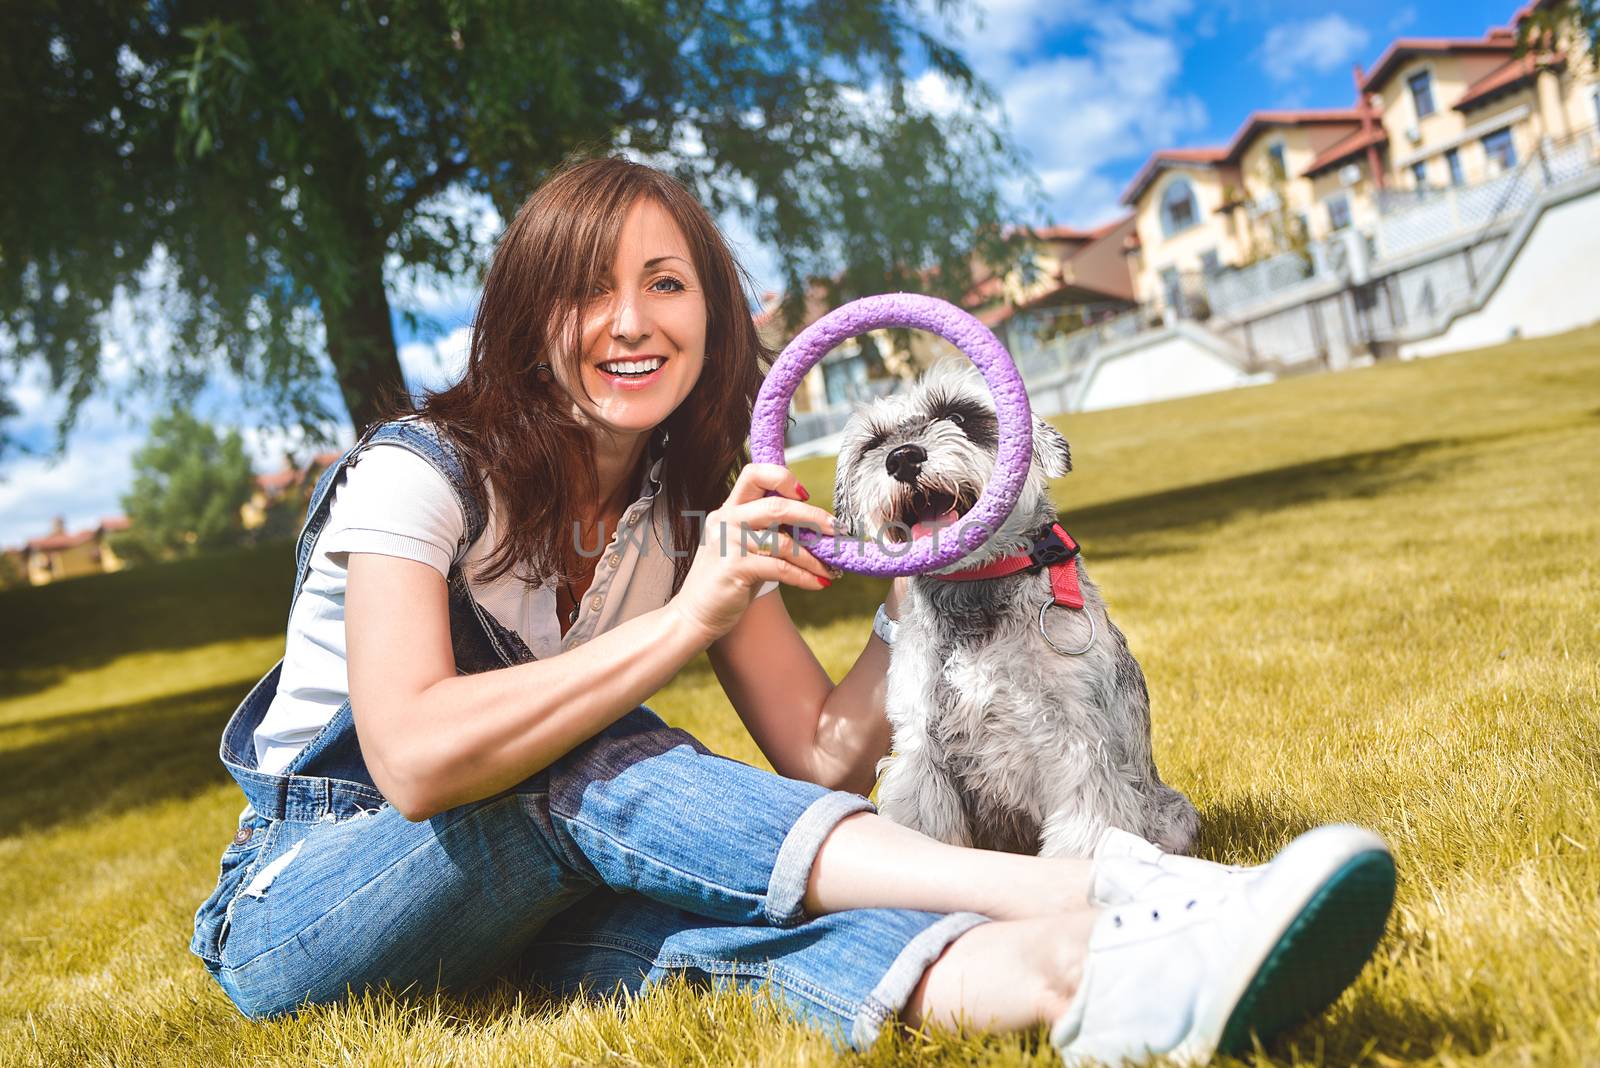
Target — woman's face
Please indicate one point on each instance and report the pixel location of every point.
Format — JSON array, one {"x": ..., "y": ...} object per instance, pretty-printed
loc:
[{"x": 644, "y": 328}]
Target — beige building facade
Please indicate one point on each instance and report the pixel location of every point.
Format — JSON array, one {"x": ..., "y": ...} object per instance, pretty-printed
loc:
[{"x": 1430, "y": 114}]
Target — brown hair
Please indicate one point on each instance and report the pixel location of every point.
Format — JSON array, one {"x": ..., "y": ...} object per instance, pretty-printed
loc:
[{"x": 513, "y": 423}]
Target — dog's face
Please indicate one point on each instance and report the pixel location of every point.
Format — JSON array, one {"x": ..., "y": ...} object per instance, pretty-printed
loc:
[{"x": 914, "y": 462}]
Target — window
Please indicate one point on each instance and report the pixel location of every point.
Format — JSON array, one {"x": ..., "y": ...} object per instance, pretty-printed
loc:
[
  {"x": 1338, "y": 211},
  {"x": 1453, "y": 158},
  {"x": 1421, "y": 84},
  {"x": 1280, "y": 169},
  {"x": 1501, "y": 152},
  {"x": 1172, "y": 291},
  {"x": 1178, "y": 209},
  {"x": 1419, "y": 174},
  {"x": 1209, "y": 263}
]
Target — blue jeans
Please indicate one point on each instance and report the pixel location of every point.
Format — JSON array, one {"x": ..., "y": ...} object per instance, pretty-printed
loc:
[{"x": 636, "y": 855}]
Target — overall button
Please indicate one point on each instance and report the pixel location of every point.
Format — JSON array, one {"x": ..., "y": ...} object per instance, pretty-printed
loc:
[
  {"x": 595, "y": 602},
  {"x": 243, "y": 836},
  {"x": 613, "y": 560}
]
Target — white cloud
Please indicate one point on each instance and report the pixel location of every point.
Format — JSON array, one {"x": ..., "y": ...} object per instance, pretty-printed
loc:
[
  {"x": 1320, "y": 45},
  {"x": 82, "y": 487},
  {"x": 437, "y": 363},
  {"x": 1077, "y": 115}
]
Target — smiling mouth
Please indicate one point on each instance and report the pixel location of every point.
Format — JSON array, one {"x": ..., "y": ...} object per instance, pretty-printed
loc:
[
  {"x": 641, "y": 367},
  {"x": 925, "y": 510}
]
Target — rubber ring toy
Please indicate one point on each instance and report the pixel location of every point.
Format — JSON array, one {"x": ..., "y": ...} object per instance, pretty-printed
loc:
[{"x": 978, "y": 344}]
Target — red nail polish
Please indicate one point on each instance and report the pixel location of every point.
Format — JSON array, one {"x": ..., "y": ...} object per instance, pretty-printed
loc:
[
  {"x": 804, "y": 496},
  {"x": 826, "y": 582}
]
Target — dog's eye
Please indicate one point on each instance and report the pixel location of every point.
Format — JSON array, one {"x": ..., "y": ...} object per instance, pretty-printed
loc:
[{"x": 957, "y": 418}]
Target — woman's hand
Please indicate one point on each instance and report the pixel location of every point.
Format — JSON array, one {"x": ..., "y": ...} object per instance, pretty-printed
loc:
[{"x": 728, "y": 570}]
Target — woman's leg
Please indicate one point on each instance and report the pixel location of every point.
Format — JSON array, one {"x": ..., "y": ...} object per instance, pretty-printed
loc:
[
  {"x": 869, "y": 862},
  {"x": 645, "y": 808},
  {"x": 1004, "y": 976},
  {"x": 846, "y": 973}
]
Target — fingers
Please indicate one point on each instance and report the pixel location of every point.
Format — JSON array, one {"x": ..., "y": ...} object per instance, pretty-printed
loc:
[
  {"x": 756, "y": 479},
  {"x": 764, "y": 512},
  {"x": 786, "y": 570},
  {"x": 779, "y": 545}
]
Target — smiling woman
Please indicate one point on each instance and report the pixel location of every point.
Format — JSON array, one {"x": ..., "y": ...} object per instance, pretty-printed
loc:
[{"x": 451, "y": 773}]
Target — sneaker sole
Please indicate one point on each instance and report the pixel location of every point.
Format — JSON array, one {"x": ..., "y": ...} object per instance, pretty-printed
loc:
[{"x": 1318, "y": 955}]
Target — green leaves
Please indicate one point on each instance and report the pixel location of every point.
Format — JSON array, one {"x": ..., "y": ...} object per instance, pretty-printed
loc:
[
  {"x": 267, "y": 170},
  {"x": 189, "y": 484},
  {"x": 212, "y": 84}
]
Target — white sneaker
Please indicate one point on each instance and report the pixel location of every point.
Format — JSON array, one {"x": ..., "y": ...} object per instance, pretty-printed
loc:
[
  {"x": 1127, "y": 868},
  {"x": 1191, "y": 975}
]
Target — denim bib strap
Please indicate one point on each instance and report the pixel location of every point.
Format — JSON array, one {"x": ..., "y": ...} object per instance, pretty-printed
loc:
[{"x": 419, "y": 437}]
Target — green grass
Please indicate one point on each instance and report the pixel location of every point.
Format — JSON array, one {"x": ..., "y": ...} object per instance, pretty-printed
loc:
[{"x": 1370, "y": 596}]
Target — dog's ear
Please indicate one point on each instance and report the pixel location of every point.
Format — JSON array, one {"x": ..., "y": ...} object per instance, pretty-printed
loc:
[{"x": 1050, "y": 449}]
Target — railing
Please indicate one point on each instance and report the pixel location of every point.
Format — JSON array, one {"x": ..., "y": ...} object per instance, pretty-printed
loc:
[
  {"x": 1412, "y": 219},
  {"x": 1068, "y": 353},
  {"x": 1239, "y": 287},
  {"x": 808, "y": 426}
]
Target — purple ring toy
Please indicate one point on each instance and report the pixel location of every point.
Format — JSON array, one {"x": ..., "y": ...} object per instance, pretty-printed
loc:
[{"x": 936, "y": 316}]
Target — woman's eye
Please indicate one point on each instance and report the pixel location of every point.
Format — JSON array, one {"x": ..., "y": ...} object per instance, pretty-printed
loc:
[{"x": 677, "y": 285}]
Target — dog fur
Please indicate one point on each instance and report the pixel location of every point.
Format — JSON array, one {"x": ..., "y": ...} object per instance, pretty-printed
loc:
[{"x": 1000, "y": 741}]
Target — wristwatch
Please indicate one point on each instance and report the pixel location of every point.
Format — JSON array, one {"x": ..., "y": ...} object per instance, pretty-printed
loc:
[{"x": 883, "y": 626}]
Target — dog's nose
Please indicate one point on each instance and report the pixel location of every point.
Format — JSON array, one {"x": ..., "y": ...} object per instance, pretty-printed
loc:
[{"x": 905, "y": 463}]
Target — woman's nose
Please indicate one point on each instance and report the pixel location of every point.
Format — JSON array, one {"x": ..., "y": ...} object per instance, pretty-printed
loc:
[{"x": 629, "y": 320}]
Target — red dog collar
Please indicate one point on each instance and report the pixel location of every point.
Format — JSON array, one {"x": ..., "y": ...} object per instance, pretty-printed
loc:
[{"x": 1053, "y": 548}]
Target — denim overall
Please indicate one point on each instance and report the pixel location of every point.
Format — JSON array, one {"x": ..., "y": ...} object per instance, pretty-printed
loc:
[{"x": 637, "y": 854}]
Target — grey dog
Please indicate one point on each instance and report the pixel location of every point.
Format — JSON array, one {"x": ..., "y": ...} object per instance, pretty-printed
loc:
[{"x": 1003, "y": 739}]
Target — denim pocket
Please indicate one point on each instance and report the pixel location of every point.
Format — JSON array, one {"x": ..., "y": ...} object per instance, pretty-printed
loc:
[{"x": 238, "y": 859}]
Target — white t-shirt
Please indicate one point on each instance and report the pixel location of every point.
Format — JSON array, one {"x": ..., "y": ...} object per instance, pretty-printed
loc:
[{"x": 392, "y": 501}]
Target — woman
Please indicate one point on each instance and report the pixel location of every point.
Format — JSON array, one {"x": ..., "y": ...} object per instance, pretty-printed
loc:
[{"x": 451, "y": 769}]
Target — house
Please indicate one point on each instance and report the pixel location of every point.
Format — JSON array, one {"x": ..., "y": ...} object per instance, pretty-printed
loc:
[
  {"x": 1432, "y": 112},
  {"x": 1202, "y": 209},
  {"x": 1066, "y": 276},
  {"x": 292, "y": 481},
  {"x": 1459, "y": 112},
  {"x": 1182, "y": 225},
  {"x": 61, "y": 554}
]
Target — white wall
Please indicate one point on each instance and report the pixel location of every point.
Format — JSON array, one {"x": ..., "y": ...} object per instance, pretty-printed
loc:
[
  {"x": 1170, "y": 364},
  {"x": 1552, "y": 285}
]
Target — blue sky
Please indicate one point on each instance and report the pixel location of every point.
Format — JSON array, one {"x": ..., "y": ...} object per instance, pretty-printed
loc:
[{"x": 1089, "y": 88}]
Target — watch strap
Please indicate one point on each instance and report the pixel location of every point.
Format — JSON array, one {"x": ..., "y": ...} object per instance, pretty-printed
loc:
[{"x": 883, "y": 626}]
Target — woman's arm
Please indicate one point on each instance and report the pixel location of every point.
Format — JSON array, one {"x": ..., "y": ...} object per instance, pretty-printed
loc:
[
  {"x": 808, "y": 726},
  {"x": 434, "y": 739}
]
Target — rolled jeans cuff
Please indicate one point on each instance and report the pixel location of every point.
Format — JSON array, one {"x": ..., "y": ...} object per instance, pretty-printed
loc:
[
  {"x": 786, "y": 890},
  {"x": 889, "y": 997}
]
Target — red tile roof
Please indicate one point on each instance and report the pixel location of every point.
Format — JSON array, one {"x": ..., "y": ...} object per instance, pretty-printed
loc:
[
  {"x": 65, "y": 540},
  {"x": 1403, "y": 48},
  {"x": 1510, "y": 75},
  {"x": 1165, "y": 157},
  {"x": 278, "y": 481},
  {"x": 1344, "y": 148},
  {"x": 54, "y": 542},
  {"x": 1258, "y": 121}
]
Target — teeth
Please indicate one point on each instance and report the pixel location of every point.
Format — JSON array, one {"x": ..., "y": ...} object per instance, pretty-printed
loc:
[{"x": 625, "y": 367}]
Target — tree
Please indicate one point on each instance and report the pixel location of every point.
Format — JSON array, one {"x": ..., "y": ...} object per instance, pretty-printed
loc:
[
  {"x": 268, "y": 169},
  {"x": 1546, "y": 26},
  {"x": 188, "y": 486}
]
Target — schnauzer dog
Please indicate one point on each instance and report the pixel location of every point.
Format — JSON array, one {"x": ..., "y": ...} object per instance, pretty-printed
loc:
[{"x": 1021, "y": 721}]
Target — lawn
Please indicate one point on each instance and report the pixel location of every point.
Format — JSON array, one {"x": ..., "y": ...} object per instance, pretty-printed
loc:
[{"x": 1371, "y": 596}]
